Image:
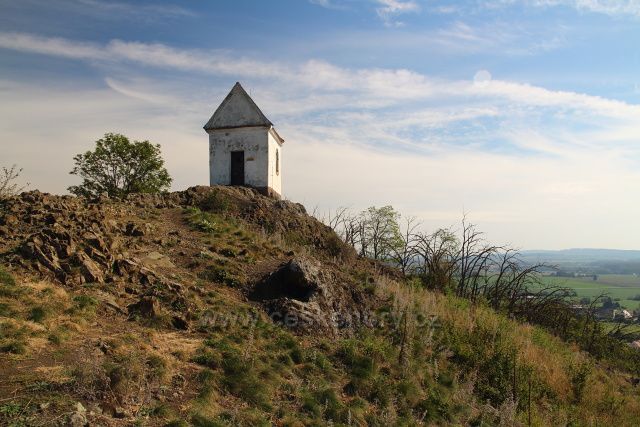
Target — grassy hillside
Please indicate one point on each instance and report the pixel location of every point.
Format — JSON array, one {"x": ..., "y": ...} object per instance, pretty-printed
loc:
[{"x": 144, "y": 312}]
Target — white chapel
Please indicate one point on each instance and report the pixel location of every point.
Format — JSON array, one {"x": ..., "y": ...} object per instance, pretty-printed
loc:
[{"x": 244, "y": 147}]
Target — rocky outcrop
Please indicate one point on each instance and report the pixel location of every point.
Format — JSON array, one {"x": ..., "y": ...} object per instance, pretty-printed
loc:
[
  {"x": 304, "y": 297},
  {"x": 119, "y": 244}
]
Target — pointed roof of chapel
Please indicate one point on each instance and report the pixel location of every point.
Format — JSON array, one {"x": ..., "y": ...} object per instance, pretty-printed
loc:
[{"x": 237, "y": 110}]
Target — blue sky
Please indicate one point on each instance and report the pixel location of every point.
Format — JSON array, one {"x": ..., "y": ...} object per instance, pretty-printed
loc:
[{"x": 523, "y": 114}]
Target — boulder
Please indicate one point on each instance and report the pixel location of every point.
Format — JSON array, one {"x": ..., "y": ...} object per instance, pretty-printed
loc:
[
  {"x": 298, "y": 296},
  {"x": 146, "y": 307}
]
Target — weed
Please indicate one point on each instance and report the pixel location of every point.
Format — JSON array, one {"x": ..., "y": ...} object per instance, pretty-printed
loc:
[
  {"x": 5, "y": 310},
  {"x": 199, "y": 420},
  {"x": 207, "y": 358},
  {"x": 201, "y": 221},
  {"x": 14, "y": 347},
  {"x": 228, "y": 252},
  {"x": 215, "y": 202},
  {"x": 579, "y": 377},
  {"x": 219, "y": 274},
  {"x": 177, "y": 423},
  {"x": 157, "y": 366},
  {"x": 85, "y": 303},
  {"x": 38, "y": 314},
  {"x": 8, "y": 285},
  {"x": 6, "y": 278},
  {"x": 11, "y": 409}
]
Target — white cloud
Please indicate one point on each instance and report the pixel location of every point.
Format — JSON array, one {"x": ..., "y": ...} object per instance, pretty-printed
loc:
[
  {"x": 431, "y": 147},
  {"x": 328, "y": 4},
  {"x": 390, "y": 9},
  {"x": 621, "y": 8},
  {"x": 607, "y": 7},
  {"x": 377, "y": 86}
]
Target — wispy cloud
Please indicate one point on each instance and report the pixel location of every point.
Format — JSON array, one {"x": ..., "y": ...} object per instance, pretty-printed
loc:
[
  {"x": 328, "y": 4},
  {"x": 137, "y": 8},
  {"x": 504, "y": 148},
  {"x": 389, "y": 10},
  {"x": 378, "y": 87},
  {"x": 619, "y": 8},
  {"x": 607, "y": 7}
]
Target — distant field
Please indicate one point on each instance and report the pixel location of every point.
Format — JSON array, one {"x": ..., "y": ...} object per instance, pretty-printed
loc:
[{"x": 615, "y": 285}]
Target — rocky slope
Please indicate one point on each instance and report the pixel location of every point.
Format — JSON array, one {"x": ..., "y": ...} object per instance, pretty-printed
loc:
[{"x": 218, "y": 306}]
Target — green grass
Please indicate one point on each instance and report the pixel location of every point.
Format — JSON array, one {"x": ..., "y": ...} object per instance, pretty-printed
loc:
[
  {"x": 617, "y": 286},
  {"x": 6, "y": 278}
]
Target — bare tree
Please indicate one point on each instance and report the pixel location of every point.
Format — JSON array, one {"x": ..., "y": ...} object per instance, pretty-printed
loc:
[
  {"x": 403, "y": 252},
  {"x": 435, "y": 257},
  {"x": 8, "y": 181}
]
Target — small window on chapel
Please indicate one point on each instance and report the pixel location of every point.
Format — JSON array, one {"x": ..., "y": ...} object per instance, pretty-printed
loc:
[{"x": 277, "y": 162}]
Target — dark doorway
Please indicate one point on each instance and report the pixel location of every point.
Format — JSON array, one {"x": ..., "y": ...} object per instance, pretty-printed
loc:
[{"x": 237, "y": 168}]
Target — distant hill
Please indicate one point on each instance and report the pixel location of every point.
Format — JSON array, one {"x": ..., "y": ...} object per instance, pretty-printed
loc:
[
  {"x": 586, "y": 261},
  {"x": 581, "y": 255}
]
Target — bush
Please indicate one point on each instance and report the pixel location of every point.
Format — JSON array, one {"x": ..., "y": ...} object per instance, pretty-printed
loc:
[
  {"x": 201, "y": 221},
  {"x": 6, "y": 278},
  {"x": 242, "y": 381},
  {"x": 199, "y": 420},
  {"x": 5, "y": 310},
  {"x": 84, "y": 304},
  {"x": 215, "y": 202},
  {"x": 13, "y": 346},
  {"x": 219, "y": 274},
  {"x": 37, "y": 314}
]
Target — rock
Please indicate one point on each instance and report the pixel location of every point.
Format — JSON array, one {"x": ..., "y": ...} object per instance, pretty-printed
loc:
[
  {"x": 180, "y": 322},
  {"x": 156, "y": 259},
  {"x": 134, "y": 230},
  {"x": 91, "y": 273},
  {"x": 298, "y": 279},
  {"x": 10, "y": 220},
  {"x": 297, "y": 296},
  {"x": 147, "y": 307},
  {"x": 301, "y": 296},
  {"x": 79, "y": 417},
  {"x": 109, "y": 301},
  {"x": 137, "y": 230},
  {"x": 120, "y": 412}
]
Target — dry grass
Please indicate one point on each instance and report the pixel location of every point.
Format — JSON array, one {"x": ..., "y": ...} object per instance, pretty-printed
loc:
[{"x": 608, "y": 395}]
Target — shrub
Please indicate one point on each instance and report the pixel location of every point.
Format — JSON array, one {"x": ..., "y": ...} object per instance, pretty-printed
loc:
[
  {"x": 201, "y": 221},
  {"x": 215, "y": 202},
  {"x": 84, "y": 304},
  {"x": 215, "y": 273},
  {"x": 37, "y": 314},
  {"x": 199, "y": 420},
  {"x": 6, "y": 278},
  {"x": 242, "y": 381},
  {"x": 579, "y": 377},
  {"x": 11, "y": 409},
  {"x": 207, "y": 358},
  {"x": 5, "y": 310},
  {"x": 14, "y": 347}
]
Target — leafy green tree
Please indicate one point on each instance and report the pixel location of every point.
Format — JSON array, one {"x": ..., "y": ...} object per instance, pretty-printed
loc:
[
  {"x": 380, "y": 232},
  {"x": 117, "y": 167}
]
